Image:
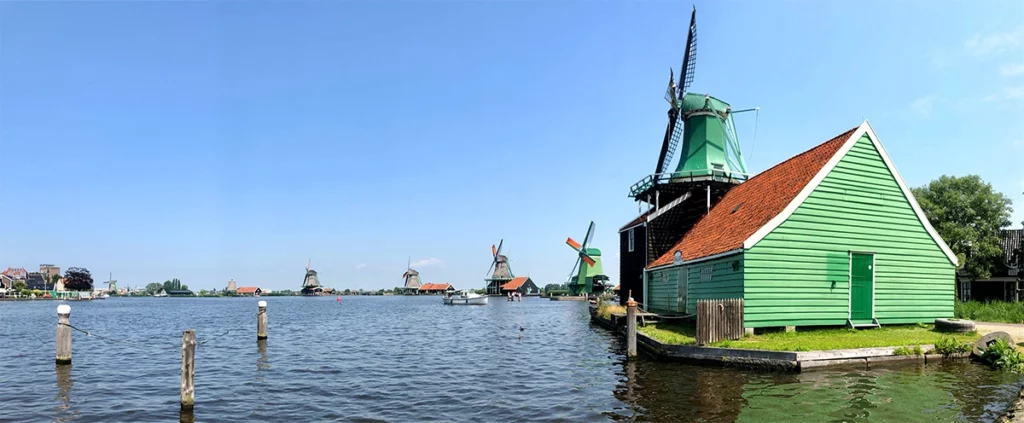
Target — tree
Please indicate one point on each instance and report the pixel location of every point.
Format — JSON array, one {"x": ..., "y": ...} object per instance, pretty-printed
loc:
[
  {"x": 54, "y": 279},
  {"x": 185, "y": 287},
  {"x": 968, "y": 214},
  {"x": 20, "y": 286},
  {"x": 172, "y": 285},
  {"x": 153, "y": 288},
  {"x": 77, "y": 279}
]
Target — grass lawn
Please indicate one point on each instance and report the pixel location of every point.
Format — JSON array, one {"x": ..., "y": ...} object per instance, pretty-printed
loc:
[
  {"x": 812, "y": 340},
  {"x": 996, "y": 311}
]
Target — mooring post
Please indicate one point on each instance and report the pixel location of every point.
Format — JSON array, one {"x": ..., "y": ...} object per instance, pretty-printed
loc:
[
  {"x": 63, "y": 334},
  {"x": 630, "y": 328},
  {"x": 261, "y": 321},
  {"x": 188, "y": 369}
]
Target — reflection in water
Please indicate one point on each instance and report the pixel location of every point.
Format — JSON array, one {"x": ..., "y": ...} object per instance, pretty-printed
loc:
[
  {"x": 64, "y": 385},
  {"x": 261, "y": 348},
  {"x": 186, "y": 417}
]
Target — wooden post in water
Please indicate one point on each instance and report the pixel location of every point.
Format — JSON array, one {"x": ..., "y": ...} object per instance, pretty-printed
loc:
[
  {"x": 188, "y": 369},
  {"x": 261, "y": 321},
  {"x": 63, "y": 334},
  {"x": 630, "y": 328}
]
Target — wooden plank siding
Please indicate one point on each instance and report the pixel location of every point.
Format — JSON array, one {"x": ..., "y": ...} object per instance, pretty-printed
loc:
[
  {"x": 726, "y": 282},
  {"x": 798, "y": 275}
]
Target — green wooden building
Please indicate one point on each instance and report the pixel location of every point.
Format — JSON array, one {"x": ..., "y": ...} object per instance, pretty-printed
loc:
[{"x": 832, "y": 236}]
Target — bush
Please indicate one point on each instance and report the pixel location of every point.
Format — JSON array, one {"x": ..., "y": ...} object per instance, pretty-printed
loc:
[
  {"x": 949, "y": 347},
  {"x": 996, "y": 311},
  {"x": 1003, "y": 356},
  {"x": 606, "y": 308},
  {"x": 915, "y": 350}
]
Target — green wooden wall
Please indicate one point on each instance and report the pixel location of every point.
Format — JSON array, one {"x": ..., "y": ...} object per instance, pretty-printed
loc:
[
  {"x": 798, "y": 275},
  {"x": 662, "y": 291},
  {"x": 726, "y": 281}
]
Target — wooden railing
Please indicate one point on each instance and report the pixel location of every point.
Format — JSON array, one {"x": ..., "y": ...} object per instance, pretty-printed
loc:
[{"x": 719, "y": 319}]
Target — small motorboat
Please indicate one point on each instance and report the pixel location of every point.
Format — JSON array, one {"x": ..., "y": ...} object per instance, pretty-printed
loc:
[{"x": 465, "y": 298}]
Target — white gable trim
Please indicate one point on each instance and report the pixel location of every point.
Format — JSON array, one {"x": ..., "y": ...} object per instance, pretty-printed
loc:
[
  {"x": 668, "y": 206},
  {"x": 864, "y": 129}
]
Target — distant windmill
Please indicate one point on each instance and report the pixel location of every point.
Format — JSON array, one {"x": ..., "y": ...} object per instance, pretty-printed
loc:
[
  {"x": 311, "y": 283},
  {"x": 591, "y": 276},
  {"x": 412, "y": 279},
  {"x": 502, "y": 271}
]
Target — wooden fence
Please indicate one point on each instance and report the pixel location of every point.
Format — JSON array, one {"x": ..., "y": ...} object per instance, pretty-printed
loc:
[{"x": 719, "y": 319}]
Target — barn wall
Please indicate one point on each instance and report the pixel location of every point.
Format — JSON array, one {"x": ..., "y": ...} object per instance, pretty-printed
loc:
[{"x": 798, "y": 275}]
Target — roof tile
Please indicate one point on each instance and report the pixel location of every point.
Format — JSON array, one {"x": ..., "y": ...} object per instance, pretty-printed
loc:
[{"x": 752, "y": 204}]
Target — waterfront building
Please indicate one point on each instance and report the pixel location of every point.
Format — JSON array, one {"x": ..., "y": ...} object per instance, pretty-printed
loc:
[
  {"x": 232, "y": 287},
  {"x": 436, "y": 288},
  {"x": 249, "y": 291},
  {"x": 412, "y": 281},
  {"x": 49, "y": 269},
  {"x": 522, "y": 285},
  {"x": 832, "y": 236},
  {"x": 1004, "y": 282},
  {"x": 16, "y": 273}
]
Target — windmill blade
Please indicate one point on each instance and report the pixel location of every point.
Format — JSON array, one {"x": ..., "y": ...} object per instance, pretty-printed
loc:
[
  {"x": 590, "y": 236},
  {"x": 498, "y": 251},
  {"x": 689, "y": 57},
  {"x": 489, "y": 268},
  {"x": 670, "y": 93},
  {"x": 586, "y": 257},
  {"x": 571, "y": 272},
  {"x": 494, "y": 251},
  {"x": 572, "y": 243},
  {"x": 665, "y": 156}
]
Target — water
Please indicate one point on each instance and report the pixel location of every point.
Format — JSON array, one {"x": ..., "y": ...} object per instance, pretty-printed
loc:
[{"x": 406, "y": 359}]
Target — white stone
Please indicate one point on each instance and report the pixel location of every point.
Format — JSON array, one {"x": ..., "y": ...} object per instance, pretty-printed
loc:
[
  {"x": 63, "y": 309},
  {"x": 262, "y": 303}
]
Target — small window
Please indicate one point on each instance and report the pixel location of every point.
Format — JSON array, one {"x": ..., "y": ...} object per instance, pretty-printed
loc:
[
  {"x": 631, "y": 240},
  {"x": 736, "y": 266},
  {"x": 705, "y": 273}
]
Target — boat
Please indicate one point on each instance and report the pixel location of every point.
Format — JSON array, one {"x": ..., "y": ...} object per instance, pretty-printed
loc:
[{"x": 465, "y": 298}]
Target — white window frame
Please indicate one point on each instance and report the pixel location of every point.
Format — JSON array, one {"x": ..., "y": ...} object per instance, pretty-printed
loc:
[{"x": 631, "y": 241}]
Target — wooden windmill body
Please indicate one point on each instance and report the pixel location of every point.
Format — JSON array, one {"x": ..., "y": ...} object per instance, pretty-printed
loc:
[{"x": 502, "y": 271}]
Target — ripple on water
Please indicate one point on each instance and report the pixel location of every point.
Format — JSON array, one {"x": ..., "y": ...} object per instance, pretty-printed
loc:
[{"x": 403, "y": 359}]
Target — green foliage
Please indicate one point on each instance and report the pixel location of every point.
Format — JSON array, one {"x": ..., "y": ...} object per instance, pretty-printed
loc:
[
  {"x": 77, "y": 279},
  {"x": 914, "y": 350},
  {"x": 606, "y": 308},
  {"x": 37, "y": 292},
  {"x": 172, "y": 285},
  {"x": 968, "y": 213},
  {"x": 949, "y": 347},
  {"x": 996, "y": 311},
  {"x": 555, "y": 287},
  {"x": 19, "y": 286},
  {"x": 153, "y": 288},
  {"x": 1004, "y": 356}
]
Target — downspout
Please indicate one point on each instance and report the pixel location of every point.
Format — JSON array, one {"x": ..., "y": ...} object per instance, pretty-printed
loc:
[
  {"x": 646, "y": 307},
  {"x": 709, "y": 199}
]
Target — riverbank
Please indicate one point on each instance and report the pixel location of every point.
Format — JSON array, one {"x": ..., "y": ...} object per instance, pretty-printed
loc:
[{"x": 792, "y": 351}]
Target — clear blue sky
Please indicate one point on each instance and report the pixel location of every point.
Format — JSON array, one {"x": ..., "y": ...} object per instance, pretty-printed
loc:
[{"x": 216, "y": 140}]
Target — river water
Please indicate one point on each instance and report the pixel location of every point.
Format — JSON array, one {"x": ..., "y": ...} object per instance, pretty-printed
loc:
[{"x": 406, "y": 359}]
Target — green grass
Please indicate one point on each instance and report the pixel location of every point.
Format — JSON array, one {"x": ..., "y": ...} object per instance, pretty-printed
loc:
[
  {"x": 606, "y": 308},
  {"x": 811, "y": 340},
  {"x": 997, "y": 311}
]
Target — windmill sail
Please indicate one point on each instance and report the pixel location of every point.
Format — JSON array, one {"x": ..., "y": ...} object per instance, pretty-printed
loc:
[{"x": 674, "y": 131}]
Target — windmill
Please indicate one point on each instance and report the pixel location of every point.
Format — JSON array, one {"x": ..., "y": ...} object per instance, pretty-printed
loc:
[
  {"x": 502, "y": 272},
  {"x": 590, "y": 278},
  {"x": 701, "y": 130},
  {"x": 311, "y": 283},
  {"x": 412, "y": 279}
]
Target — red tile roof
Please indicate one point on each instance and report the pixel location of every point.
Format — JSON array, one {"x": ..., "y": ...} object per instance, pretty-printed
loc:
[
  {"x": 15, "y": 272},
  {"x": 750, "y": 205},
  {"x": 434, "y": 286},
  {"x": 514, "y": 284},
  {"x": 247, "y": 289},
  {"x": 639, "y": 219}
]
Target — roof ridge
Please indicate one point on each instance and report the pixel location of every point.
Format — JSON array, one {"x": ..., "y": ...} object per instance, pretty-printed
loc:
[
  {"x": 749, "y": 206},
  {"x": 845, "y": 134}
]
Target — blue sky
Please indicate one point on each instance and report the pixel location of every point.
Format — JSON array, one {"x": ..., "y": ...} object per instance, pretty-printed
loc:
[{"x": 216, "y": 140}]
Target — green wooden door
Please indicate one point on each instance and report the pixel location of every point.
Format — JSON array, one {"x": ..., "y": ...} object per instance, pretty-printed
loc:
[{"x": 861, "y": 281}]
